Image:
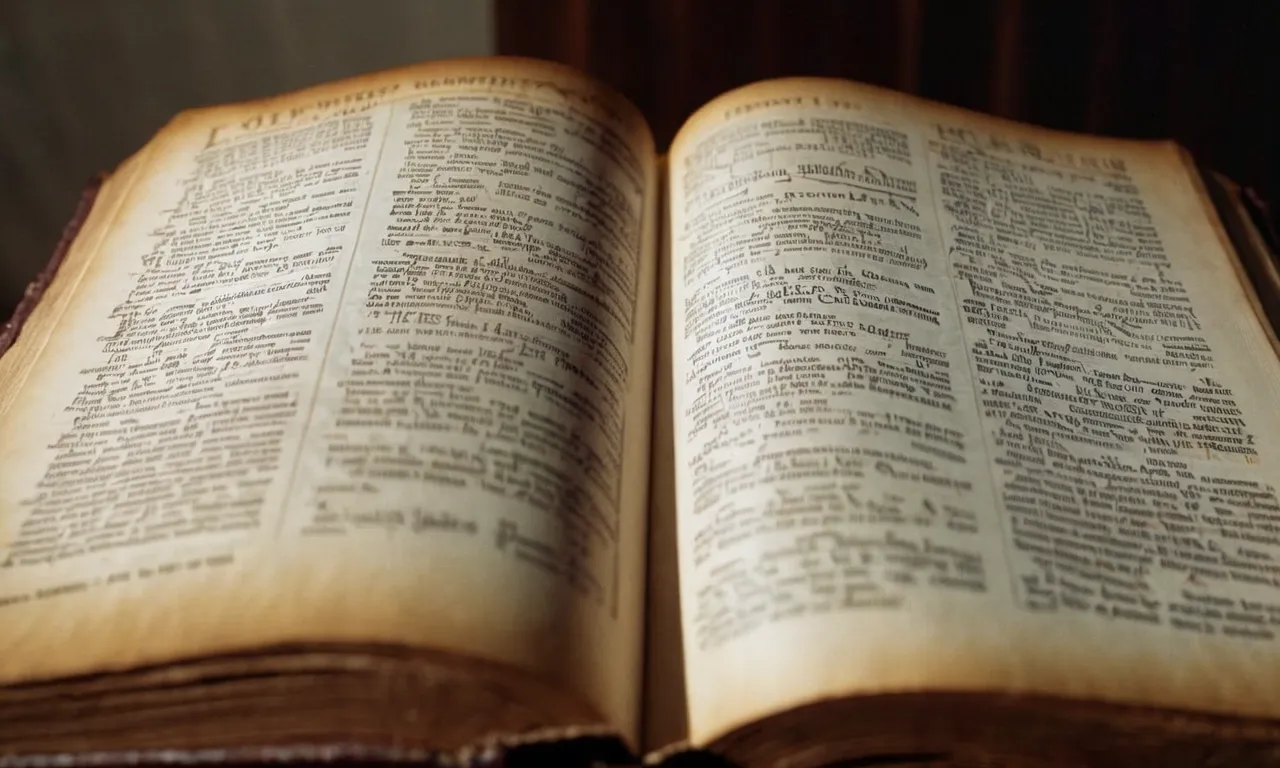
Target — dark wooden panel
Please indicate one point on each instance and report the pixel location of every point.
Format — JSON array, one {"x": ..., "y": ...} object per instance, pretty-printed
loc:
[{"x": 1205, "y": 72}]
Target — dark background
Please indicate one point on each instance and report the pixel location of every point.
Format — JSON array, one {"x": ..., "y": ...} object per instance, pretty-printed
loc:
[
  {"x": 83, "y": 84},
  {"x": 1206, "y": 72}
]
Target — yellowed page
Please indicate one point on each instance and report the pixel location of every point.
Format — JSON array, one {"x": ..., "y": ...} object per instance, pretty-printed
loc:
[
  {"x": 366, "y": 363},
  {"x": 962, "y": 405}
]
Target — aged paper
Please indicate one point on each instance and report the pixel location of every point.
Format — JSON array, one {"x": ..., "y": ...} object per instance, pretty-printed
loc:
[
  {"x": 367, "y": 363},
  {"x": 961, "y": 405}
]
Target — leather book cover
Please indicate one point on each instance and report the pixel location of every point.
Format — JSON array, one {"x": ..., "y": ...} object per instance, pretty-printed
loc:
[
  {"x": 35, "y": 291},
  {"x": 1250, "y": 225}
]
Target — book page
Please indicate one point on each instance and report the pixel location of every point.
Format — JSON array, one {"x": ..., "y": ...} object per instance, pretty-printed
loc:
[
  {"x": 962, "y": 405},
  {"x": 369, "y": 363}
]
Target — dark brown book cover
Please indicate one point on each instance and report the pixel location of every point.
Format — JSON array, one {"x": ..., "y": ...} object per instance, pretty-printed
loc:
[{"x": 35, "y": 291}]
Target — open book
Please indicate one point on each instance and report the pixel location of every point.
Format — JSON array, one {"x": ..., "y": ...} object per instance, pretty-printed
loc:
[{"x": 433, "y": 415}]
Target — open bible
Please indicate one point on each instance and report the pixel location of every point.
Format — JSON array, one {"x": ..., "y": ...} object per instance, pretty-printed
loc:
[{"x": 434, "y": 416}]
